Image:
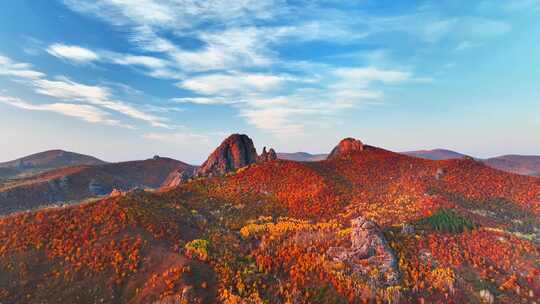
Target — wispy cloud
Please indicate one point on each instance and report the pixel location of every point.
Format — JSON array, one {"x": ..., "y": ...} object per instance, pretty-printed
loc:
[
  {"x": 232, "y": 84},
  {"x": 71, "y": 52},
  {"x": 67, "y": 90},
  {"x": 84, "y": 112},
  {"x": 18, "y": 70},
  {"x": 78, "y": 54},
  {"x": 268, "y": 103}
]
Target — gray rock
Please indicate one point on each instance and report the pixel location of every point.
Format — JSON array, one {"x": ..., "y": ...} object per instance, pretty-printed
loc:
[
  {"x": 486, "y": 296},
  {"x": 440, "y": 173},
  {"x": 407, "y": 228},
  {"x": 368, "y": 243}
]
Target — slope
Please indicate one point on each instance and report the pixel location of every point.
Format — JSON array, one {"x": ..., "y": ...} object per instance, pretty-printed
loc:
[{"x": 80, "y": 182}]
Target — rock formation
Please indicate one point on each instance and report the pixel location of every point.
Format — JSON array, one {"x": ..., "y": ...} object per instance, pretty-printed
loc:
[
  {"x": 116, "y": 193},
  {"x": 346, "y": 147},
  {"x": 440, "y": 173},
  {"x": 236, "y": 151},
  {"x": 369, "y": 246},
  {"x": 267, "y": 156},
  {"x": 176, "y": 178}
]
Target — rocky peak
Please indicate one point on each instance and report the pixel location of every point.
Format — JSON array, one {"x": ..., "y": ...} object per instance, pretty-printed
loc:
[
  {"x": 236, "y": 151},
  {"x": 267, "y": 156},
  {"x": 346, "y": 147}
]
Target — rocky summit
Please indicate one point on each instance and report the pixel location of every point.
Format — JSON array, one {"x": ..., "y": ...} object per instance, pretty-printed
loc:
[
  {"x": 346, "y": 147},
  {"x": 236, "y": 151}
]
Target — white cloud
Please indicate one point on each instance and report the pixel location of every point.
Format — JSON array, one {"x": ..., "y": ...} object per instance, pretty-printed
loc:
[
  {"x": 234, "y": 84},
  {"x": 146, "y": 61},
  {"x": 18, "y": 70},
  {"x": 84, "y": 112},
  {"x": 267, "y": 102},
  {"x": 230, "y": 59},
  {"x": 274, "y": 119},
  {"x": 79, "y": 54},
  {"x": 72, "y": 52},
  {"x": 364, "y": 76},
  {"x": 66, "y": 89},
  {"x": 180, "y": 15},
  {"x": 206, "y": 100}
]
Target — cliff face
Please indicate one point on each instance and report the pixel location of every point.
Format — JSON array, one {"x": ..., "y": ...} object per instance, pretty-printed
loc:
[{"x": 236, "y": 151}]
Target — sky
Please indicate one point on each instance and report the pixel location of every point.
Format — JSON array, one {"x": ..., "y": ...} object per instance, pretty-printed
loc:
[{"x": 124, "y": 80}]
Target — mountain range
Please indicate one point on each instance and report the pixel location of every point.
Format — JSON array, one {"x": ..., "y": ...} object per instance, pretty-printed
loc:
[
  {"x": 518, "y": 164},
  {"x": 364, "y": 225},
  {"x": 71, "y": 184}
]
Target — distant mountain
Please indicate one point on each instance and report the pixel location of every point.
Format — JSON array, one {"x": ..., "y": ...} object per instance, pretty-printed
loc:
[
  {"x": 435, "y": 154},
  {"x": 44, "y": 161},
  {"x": 301, "y": 156},
  {"x": 520, "y": 164},
  {"x": 75, "y": 183}
]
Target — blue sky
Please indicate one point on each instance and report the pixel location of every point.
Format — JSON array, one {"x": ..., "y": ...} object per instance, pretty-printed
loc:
[{"x": 126, "y": 80}]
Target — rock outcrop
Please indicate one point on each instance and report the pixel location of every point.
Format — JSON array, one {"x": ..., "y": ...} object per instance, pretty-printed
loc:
[
  {"x": 369, "y": 251},
  {"x": 267, "y": 156},
  {"x": 345, "y": 148},
  {"x": 176, "y": 178},
  {"x": 236, "y": 151}
]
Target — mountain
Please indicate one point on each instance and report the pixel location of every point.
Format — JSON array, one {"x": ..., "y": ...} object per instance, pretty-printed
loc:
[
  {"x": 43, "y": 161},
  {"x": 301, "y": 156},
  {"x": 435, "y": 154},
  {"x": 70, "y": 184},
  {"x": 452, "y": 231},
  {"x": 519, "y": 164}
]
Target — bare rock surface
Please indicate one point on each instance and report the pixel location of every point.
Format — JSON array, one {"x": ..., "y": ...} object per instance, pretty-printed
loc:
[
  {"x": 346, "y": 147},
  {"x": 236, "y": 151},
  {"x": 176, "y": 178},
  {"x": 369, "y": 254},
  {"x": 266, "y": 156}
]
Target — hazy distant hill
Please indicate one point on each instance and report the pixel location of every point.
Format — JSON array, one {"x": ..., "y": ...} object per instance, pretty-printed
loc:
[
  {"x": 47, "y": 160},
  {"x": 74, "y": 183},
  {"x": 301, "y": 156},
  {"x": 520, "y": 164},
  {"x": 435, "y": 154}
]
